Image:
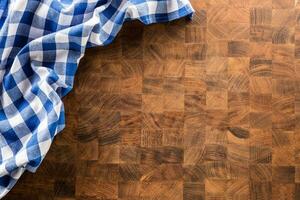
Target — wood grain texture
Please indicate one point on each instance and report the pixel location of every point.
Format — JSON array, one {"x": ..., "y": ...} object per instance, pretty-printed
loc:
[{"x": 187, "y": 110}]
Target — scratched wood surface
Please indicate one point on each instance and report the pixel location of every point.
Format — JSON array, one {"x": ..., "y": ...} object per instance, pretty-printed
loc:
[{"x": 208, "y": 109}]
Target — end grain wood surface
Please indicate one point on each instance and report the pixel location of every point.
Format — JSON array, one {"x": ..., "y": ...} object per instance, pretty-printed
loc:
[{"x": 207, "y": 109}]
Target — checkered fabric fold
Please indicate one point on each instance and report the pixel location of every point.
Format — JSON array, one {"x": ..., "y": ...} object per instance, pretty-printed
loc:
[{"x": 41, "y": 43}]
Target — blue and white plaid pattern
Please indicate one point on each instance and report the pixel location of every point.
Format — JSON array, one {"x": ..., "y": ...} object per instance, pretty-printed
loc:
[{"x": 41, "y": 43}]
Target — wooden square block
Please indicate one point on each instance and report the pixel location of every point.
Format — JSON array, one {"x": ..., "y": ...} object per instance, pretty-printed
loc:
[
  {"x": 108, "y": 119},
  {"x": 161, "y": 155},
  {"x": 173, "y": 137},
  {"x": 173, "y": 102},
  {"x": 130, "y": 137},
  {"x": 105, "y": 101},
  {"x": 195, "y": 35},
  {"x": 151, "y": 138},
  {"x": 260, "y": 50},
  {"x": 238, "y": 65},
  {"x": 194, "y": 69},
  {"x": 256, "y": 3},
  {"x": 88, "y": 151},
  {"x": 260, "y": 154},
  {"x": 283, "y": 69},
  {"x": 284, "y": 52},
  {"x": 173, "y": 86},
  {"x": 194, "y": 86},
  {"x": 285, "y": 87},
  {"x": 193, "y": 137},
  {"x": 153, "y": 120},
  {"x": 260, "y": 67},
  {"x": 283, "y": 104},
  {"x": 217, "y": 49},
  {"x": 152, "y": 86},
  {"x": 153, "y": 69},
  {"x": 283, "y": 4},
  {"x": 232, "y": 31},
  {"x": 154, "y": 52},
  {"x": 283, "y": 156},
  {"x": 109, "y": 154},
  {"x": 112, "y": 52},
  {"x": 244, "y": 192},
  {"x": 261, "y": 173},
  {"x": 238, "y": 136},
  {"x": 131, "y": 119},
  {"x": 152, "y": 103},
  {"x": 174, "y": 68},
  {"x": 260, "y": 16},
  {"x": 132, "y": 68},
  {"x": 261, "y": 137},
  {"x": 194, "y": 173},
  {"x": 297, "y": 155},
  {"x": 194, "y": 103},
  {"x": 129, "y": 189},
  {"x": 260, "y": 85},
  {"x": 238, "y": 49},
  {"x": 173, "y": 119},
  {"x": 261, "y": 33},
  {"x": 215, "y": 188},
  {"x": 238, "y": 83},
  {"x": 283, "y": 174},
  {"x": 109, "y": 85},
  {"x": 237, "y": 152},
  {"x": 238, "y": 101},
  {"x": 283, "y": 17},
  {"x": 164, "y": 172},
  {"x": 104, "y": 172},
  {"x": 64, "y": 189},
  {"x": 297, "y": 174},
  {"x": 216, "y": 65},
  {"x": 283, "y": 138},
  {"x": 109, "y": 68},
  {"x": 225, "y": 14},
  {"x": 193, "y": 191},
  {"x": 196, "y": 51},
  {"x": 131, "y": 85},
  {"x": 218, "y": 170},
  {"x": 215, "y": 152},
  {"x": 283, "y": 35},
  {"x": 132, "y": 50},
  {"x": 175, "y": 51},
  {"x": 130, "y": 102},
  {"x": 283, "y": 191},
  {"x": 194, "y": 120},
  {"x": 130, "y": 154},
  {"x": 239, "y": 3},
  {"x": 216, "y": 135},
  {"x": 217, "y": 82},
  {"x": 162, "y": 190},
  {"x": 86, "y": 117},
  {"x": 63, "y": 153},
  {"x": 129, "y": 172},
  {"x": 90, "y": 187},
  {"x": 217, "y": 118},
  {"x": 260, "y": 189},
  {"x": 261, "y": 120},
  {"x": 284, "y": 121},
  {"x": 194, "y": 155},
  {"x": 217, "y": 100},
  {"x": 108, "y": 136}
]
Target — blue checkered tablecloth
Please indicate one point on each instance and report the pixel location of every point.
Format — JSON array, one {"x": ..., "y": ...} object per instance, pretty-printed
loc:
[{"x": 41, "y": 43}]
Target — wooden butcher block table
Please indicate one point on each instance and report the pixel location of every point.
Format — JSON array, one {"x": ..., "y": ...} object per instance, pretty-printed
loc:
[{"x": 189, "y": 110}]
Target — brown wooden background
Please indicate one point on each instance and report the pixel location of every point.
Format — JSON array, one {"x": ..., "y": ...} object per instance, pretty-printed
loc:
[{"x": 207, "y": 109}]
